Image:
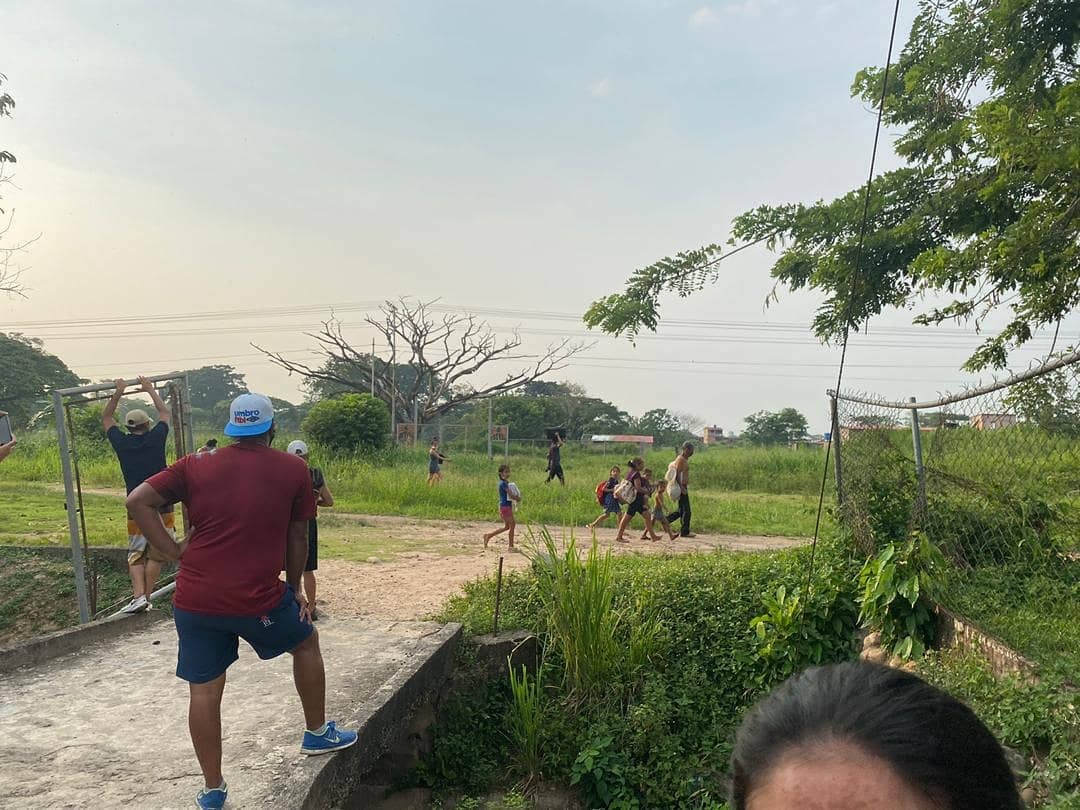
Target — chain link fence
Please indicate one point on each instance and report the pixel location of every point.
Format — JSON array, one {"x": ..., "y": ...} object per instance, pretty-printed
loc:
[{"x": 992, "y": 476}]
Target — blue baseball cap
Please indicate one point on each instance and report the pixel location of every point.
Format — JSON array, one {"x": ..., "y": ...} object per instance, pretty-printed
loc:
[{"x": 250, "y": 415}]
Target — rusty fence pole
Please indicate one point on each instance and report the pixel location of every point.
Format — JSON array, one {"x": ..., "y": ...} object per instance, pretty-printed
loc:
[{"x": 498, "y": 596}]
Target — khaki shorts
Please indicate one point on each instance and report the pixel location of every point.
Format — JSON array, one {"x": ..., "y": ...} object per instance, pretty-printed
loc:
[{"x": 139, "y": 550}]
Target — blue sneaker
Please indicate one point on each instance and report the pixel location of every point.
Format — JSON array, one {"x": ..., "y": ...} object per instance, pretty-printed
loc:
[
  {"x": 332, "y": 739},
  {"x": 212, "y": 799}
]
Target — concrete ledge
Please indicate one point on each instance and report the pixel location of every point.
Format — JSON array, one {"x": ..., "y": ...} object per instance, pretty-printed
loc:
[
  {"x": 956, "y": 632},
  {"x": 53, "y": 645},
  {"x": 379, "y": 721},
  {"x": 495, "y": 651}
]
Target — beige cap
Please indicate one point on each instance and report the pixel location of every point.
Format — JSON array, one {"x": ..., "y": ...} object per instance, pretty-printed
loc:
[{"x": 136, "y": 417}]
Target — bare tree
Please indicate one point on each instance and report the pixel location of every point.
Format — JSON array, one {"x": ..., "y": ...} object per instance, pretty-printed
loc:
[
  {"x": 10, "y": 271},
  {"x": 439, "y": 355}
]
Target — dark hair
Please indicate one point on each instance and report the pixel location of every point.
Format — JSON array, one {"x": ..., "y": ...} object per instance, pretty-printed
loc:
[
  {"x": 211, "y": 442},
  {"x": 932, "y": 740},
  {"x": 504, "y": 468},
  {"x": 687, "y": 445}
]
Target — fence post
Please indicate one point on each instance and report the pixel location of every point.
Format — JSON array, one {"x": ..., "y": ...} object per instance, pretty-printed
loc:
[
  {"x": 415, "y": 421},
  {"x": 837, "y": 465},
  {"x": 69, "y": 504},
  {"x": 491, "y": 427},
  {"x": 920, "y": 471}
]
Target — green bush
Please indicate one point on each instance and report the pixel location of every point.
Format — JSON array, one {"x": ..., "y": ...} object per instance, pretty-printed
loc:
[
  {"x": 348, "y": 424},
  {"x": 897, "y": 592},
  {"x": 659, "y": 734},
  {"x": 1041, "y": 720}
]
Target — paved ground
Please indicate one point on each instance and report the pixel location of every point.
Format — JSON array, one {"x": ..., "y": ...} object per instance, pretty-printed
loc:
[{"x": 107, "y": 727}]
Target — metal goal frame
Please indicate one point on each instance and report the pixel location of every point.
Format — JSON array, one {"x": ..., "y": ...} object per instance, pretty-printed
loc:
[{"x": 174, "y": 390}]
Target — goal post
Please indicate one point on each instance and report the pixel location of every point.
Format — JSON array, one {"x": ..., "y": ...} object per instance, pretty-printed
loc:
[{"x": 175, "y": 386}]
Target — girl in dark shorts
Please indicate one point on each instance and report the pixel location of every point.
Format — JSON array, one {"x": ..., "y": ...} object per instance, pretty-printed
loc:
[
  {"x": 435, "y": 462},
  {"x": 640, "y": 504},
  {"x": 611, "y": 506}
]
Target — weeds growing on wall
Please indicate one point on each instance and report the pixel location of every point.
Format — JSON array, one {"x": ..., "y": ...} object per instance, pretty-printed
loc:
[{"x": 1041, "y": 721}]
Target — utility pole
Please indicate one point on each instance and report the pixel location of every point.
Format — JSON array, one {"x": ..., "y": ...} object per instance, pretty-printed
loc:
[
  {"x": 393, "y": 391},
  {"x": 373, "y": 368}
]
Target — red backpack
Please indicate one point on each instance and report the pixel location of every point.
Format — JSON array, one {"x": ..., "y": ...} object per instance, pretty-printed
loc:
[{"x": 600, "y": 491}]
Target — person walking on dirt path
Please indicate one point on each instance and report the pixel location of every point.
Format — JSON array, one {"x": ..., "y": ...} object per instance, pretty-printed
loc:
[
  {"x": 610, "y": 504},
  {"x": 250, "y": 506},
  {"x": 554, "y": 460},
  {"x": 682, "y": 480},
  {"x": 640, "y": 504},
  {"x": 435, "y": 462},
  {"x": 141, "y": 453},
  {"x": 659, "y": 512},
  {"x": 323, "y": 497},
  {"x": 507, "y": 497}
]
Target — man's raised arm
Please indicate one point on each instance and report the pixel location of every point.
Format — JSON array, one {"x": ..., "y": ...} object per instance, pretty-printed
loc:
[
  {"x": 163, "y": 412},
  {"x": 107, "y": 420}
]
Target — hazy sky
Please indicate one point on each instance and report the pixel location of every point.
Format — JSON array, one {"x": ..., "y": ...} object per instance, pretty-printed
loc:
[{"x": 216, "y": 156}]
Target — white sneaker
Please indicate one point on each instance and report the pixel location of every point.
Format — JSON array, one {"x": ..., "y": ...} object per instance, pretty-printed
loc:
[{"x": 136, "y": 605}]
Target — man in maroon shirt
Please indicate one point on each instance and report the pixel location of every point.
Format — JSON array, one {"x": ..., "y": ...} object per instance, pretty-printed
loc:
[{"x": 250, "y": 506}]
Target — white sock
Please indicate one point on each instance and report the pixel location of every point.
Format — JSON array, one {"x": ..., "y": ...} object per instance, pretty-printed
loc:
[{"x": 319, "y": 731}]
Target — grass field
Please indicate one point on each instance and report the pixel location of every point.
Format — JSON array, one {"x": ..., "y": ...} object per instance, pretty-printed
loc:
[{"x": 734, "y": 490}]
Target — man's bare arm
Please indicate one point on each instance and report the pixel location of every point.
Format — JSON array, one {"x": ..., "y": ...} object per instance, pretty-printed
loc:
[
  {"x": 296, "y": 553},
  {"x": 143, "y": 504},
  {"x": 163, "y": 412},
  {"x": 325, "y": 497},
  {"x": 107, "y": 420}
]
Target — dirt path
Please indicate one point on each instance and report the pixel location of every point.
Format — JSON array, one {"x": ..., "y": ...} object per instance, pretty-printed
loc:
[
  {"x": 415, "y": 584},
  {"x": 412, "y": 564}
]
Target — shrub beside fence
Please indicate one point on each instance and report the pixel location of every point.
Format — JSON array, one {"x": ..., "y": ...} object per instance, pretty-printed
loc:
[{"x": 992, "y": 477}]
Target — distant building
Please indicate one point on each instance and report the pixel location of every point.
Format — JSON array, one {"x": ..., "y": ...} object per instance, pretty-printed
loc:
[
  {"x": 993, "y": 421},
  {"x": 713, "y": 435}
]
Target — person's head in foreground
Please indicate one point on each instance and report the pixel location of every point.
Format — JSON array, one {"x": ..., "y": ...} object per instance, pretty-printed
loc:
[
  {"x": 859, "y": 735},
  {"x": 251, "y": 419},
  {"x": 298, "y": 448},
  {"x": 137, "y": 421}
]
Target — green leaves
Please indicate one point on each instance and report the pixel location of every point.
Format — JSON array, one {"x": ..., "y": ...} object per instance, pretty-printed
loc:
[
  {"x": 986, "y": 99},
  {"x": 895, "y": 587}
]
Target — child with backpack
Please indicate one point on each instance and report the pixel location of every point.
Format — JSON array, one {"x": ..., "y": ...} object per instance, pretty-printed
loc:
[
  {"x": 507, "y": 497},
  {"x": 605, "y": 495},
  {"x": 637, "y": 495}
]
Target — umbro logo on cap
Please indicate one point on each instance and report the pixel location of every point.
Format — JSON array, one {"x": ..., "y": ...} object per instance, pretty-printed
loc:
[{"x": 250, "y": 415}]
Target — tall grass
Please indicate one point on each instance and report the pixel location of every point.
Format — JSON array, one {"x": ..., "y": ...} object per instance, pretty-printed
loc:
[
  {"x": 602, "y": 648},
  {"x": 734, "y": 490},
  {"x": 526, "y": 717}
]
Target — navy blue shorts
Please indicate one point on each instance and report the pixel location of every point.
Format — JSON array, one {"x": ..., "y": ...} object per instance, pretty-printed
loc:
[
  {"x": 611, "y": 506},
  {"x": 209, "y": 644}
]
